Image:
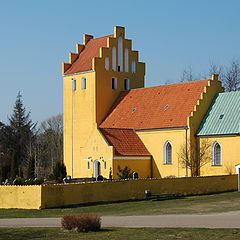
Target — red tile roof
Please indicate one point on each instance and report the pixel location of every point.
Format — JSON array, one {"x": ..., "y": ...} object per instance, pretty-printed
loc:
[
  {"x": 125, "y": 142},
  {"x": 155, "y": 107},
  {"x": 91, "y": 50}
]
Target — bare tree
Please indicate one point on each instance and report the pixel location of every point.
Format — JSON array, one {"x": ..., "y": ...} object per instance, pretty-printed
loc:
[
  {"x": 187, "y": 75},
  {"x": 194, "y": 156},
  {"x": 49, "y": 146},
  {"x": 216, "y": 69},
  {"x": 231, "y": 80}
]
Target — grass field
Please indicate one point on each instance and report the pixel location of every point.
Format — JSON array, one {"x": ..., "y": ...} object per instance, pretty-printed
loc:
[
  {"x": 121, "y": 234},
  {"x": 222, "y": 202}
]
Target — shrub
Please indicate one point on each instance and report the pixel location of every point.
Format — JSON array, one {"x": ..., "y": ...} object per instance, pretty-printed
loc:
[
  {"x": 124, "y": 173},
  {"x": 59, "y": 172},
  {"x": 82, "y": 223}
]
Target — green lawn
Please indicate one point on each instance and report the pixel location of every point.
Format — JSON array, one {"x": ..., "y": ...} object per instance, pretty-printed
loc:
[
  {"x": 121, "y": 234},
  {"x": 222, "y": 202}
]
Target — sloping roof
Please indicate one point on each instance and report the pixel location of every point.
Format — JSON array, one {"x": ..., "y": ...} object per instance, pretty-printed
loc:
[
  {"x": 125, "y": 142},
  {"x": 223, "y": 116},
  {"x": 155, "y": 107},
  {"x": 91, "y": 50}
]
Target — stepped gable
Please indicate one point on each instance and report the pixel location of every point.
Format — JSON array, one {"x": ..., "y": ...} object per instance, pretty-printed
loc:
[
  {"x": 125, "y": 142},
  {"x": 92, "y": 49},
  {"x": 165, "y": 106}
]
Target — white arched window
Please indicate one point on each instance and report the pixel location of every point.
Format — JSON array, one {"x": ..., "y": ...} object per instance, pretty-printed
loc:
[
  {"x": 114, "y": 59},
  {"x": 106, "y": 63},
  {"x": 126, "y": 60},
  {"x": 133, "y": 67},
  {"x": 167, "y": 153},
  {"x": 216, "y": 154},
  {"x": 120, "y": 54},
  {"x": 126, "y": 84},
  {"x": 84, "y": 84}
]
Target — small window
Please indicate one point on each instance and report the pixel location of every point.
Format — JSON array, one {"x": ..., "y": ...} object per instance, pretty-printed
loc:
[
  {"x": 114, "y": 59},
  {"x": 126, "y": 60},
  {"x": 107, "y": 64},
  {"x": 105, "y": 165},
  {"x": 133, "y": 67},
  {"x": 167, "y": 153},
  {"x": 126, "y": 84},
  {"x": 216, "y": 154},
  {"x": 83, "y": 83},
  {"x": 114, "y": 83},
  {"x": 73, "y": 85},
  {"x": 88, "y": 165}
]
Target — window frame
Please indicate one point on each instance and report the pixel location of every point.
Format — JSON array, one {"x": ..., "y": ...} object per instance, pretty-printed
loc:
[
  {"x": 126, "y": 59},
  {"x": 166, "y": 160},
  {"x": 114, "y": 60},
  {"x": 114, "y": 83},
  {"x": 215, "y": 161},
  {"x": 126, "y": 84},
  {"x": 107, "y": 63},
  {"x": 88, "y": 165},
  {"x": 133, "y": 66},
  {"x": 84, "y": 83},
  {"x": 120, "y": 54}
]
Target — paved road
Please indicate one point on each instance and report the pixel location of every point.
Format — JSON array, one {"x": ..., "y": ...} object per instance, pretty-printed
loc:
[{"x": 224, "y": 220}]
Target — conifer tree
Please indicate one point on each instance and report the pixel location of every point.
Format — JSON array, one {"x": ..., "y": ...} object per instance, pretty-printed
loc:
[
  {"x": 21, "y": 131},
  {"x": 14, "y": 167},
  {"x": 31, "y": 168}
]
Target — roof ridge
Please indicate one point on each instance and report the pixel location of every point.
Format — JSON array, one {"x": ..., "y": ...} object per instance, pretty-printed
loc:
[
  {"x": 164, "y": 85},
  {"x": 110, "y": 35}
]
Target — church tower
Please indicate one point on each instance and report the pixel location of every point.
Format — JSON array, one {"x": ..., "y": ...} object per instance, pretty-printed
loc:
[{"x": 92, "y": 80}]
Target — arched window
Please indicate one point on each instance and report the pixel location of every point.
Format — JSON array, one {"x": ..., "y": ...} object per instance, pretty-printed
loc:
[
  {"x": 106, "y": 63},
  {"x": 114, "y": 83},
  {"x": 126, "y": 84},
  {"x": 167, "y": 153},
  {"x": 88, "y": 165},
  {"x": 84, "y": 85},
  {"x": 133, "y": 67},
  {"x": 126, "y": 60},
  {"x": 216, "y": 154},
  {"x": 120, "y": 54},
  {"x": 114, "y": 59}
]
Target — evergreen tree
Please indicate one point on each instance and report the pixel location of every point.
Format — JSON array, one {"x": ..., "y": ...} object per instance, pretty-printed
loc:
[
  {"x": 31, "y": 168},
  {"x": 59, "y": 172},
  {"x": 14, "y": 167},
  {"x": 20, "y": 132}
]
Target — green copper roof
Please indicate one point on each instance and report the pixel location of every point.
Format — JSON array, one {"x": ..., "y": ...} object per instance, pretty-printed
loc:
[{"x": 223, "y": 115}]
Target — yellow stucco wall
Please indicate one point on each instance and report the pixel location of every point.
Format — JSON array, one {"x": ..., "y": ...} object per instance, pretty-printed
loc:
[
  {"x": 46, "y": 196},
  {"x": 91, "y": 105},
  {"x": 70, "y": 194},
  {"x": 25, "y": 197},
  {"x": 229, "y": 155},
  {"x": 141, "y": 165},
  {"x": 154, "y": 141}
]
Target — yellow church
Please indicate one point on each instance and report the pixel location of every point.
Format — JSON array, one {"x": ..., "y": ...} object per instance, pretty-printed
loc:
[{"x": 111, "y": 119}]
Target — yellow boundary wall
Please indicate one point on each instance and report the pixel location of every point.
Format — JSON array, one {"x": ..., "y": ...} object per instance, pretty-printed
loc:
[{"x": 47, "y": 196}]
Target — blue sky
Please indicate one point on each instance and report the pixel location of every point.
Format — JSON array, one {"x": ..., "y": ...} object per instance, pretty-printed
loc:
[{"x": 36, "y": 37}]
